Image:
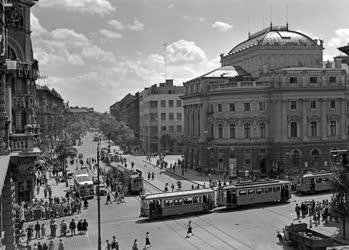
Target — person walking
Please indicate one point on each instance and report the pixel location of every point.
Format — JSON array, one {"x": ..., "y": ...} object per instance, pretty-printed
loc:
[
  {"x": 60, "y": 245},
  {"x": 72, "y": 226},
  {"x": 29, "y": 233},
  {"x": 172, "y": 187},
  {"x": 51, "y": 245},
  {"x": 298, "y": 211},
  {"x": 147, "y": 240},
  {"x": 44, "y": 246},
  {"x": 152, "y": 175},
  {"x": 189, "y": 230},
  {"x": 108, "y": 199},
  {"x": 37, "y": 230},
  {"x": 84, "y": 226},
  {"x": 43, "y": 230},
  {"x": 108, "y": 245},
  {"x": 148, "y": 175},
  {"x": 114, "y": 244},
  {"x": 134, "y": 246},
  {"x": 39, "y": 246},
  {"x": 79, "y": 227}
]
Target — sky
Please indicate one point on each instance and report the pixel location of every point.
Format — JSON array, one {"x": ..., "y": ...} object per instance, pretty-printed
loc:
[{"x": 94, "y": 52}]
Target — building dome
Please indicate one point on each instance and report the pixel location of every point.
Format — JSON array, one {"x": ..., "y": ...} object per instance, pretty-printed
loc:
[{"x": 275, "y": 36}]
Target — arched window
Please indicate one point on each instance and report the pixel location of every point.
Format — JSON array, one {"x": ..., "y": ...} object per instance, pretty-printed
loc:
[
  {"x": 232, "y": 130},
  {"x": 315, "y": 154},
  {"x": 333, "y": 128},
  {"x": 220, "y": 131},
  {"x": 247, "y": 130},
  {"x": 313, "y": 129},
  {"x": 294, "y": 129},
  {"x": 262, "y": 133}
]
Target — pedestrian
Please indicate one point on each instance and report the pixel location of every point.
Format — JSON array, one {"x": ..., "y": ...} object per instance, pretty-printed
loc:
[
  {"x": 51, "y": 246},
  {"x": 172, "y": 187},
  {"x": 37, "y": 230},
  {"x": 152, "y": 175},
  {"x": 108, "y": 245},
  {"x": 298, "y": 211},
  {"x": 134, "y": 246},
  {"x": 108, "y": 199},
  {"x": 39, "y": 246},
  {"x": 189, "y": 230},
  {"x": 72, "y": 226},
  {"x": 60, "y": 245},
  {"x": 45, "y": 192},
  {"x": 147, "y": 240},
  {"x": 84, "y": 226},
  {"x": 29, "y": 233},
  {"x": 44, "y": 246},
  {"x": 79, "y": 226},
  {"x": 148, "y": 175},
  {"x": 192, "y": 187},
  {"x": 43, "y": 230},
  {"x": 35, "y": 247},
  {"x": 114, "y": 243}
]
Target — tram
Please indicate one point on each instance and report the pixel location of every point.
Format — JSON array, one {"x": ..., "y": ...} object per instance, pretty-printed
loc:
[
  {"x": 160, "y": 205},
  {"x": 132, "y": 179},
  {"x": 249, "y": 192},
  {"x": 315, "y": 182}
]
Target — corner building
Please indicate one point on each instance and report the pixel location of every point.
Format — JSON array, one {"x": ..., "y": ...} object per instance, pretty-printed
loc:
[{"x": 270, "y": 110}]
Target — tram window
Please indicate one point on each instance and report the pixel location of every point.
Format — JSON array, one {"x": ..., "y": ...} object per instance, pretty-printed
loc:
[
  {"x": 318, "y": 180},
  {"x": 242, "y": 192},
  {"x": 188, "y": 200},
  {"x": 270, "y": 189},
  {"x": 259, "y": 191},
  {"x": 276, "y": 189},
  {"x": 325, "y": 179},
  {"x": 178, "y": 202},
  {"x": 196, "y": 199},
  {"x": 168, "y": 203},
  {"x": 251, "y": 191}
]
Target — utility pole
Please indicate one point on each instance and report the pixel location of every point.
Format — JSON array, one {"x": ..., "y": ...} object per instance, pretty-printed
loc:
[{"x": 98, "y": 201}]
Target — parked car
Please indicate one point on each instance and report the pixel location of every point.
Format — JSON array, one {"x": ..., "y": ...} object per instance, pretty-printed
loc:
[
  {"x": 70, "y": 175},
  {"x": 102, "y": 189}
]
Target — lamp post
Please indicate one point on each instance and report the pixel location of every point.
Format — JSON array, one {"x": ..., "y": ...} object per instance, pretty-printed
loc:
[{"x": 98, "y": 201}]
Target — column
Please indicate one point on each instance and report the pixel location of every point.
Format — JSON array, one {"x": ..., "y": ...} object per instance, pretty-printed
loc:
[
  {"x": 323, "y": 118},
  {"x": 283, "y": 121},
  {"x": 304, "y": 133},
  {"x": 343, "y": 130}
]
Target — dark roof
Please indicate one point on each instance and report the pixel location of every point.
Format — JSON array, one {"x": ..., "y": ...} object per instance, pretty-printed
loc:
[
  {"x": 275, "y": 36},
  {"x": 52, "y": 92}
]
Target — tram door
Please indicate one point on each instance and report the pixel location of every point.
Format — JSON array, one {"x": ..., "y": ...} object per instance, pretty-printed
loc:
[
  {"x": 155, "y": 209},
  {"x": 284, "y": 193},
  {"x": 312, "y": 184},
  {"x": 229, "y": 194}
]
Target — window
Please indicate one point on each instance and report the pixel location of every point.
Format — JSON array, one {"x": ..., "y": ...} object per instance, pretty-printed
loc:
[
  {"x": 261, "y": 106},
  {"x": 212, "y": 134},
  {"x": 251, "y": 191},
  {"x": 188, "y": 200},
  {"x": 220, "y": 131},
  {"x": 247, "y": 130},
  {"x": 332, "y": 104},
  {"x": 247, "y": 106},
  {"x": 318, "y": 180},
  {"x": 313, "y": 129},
  {"x": 153, "y": 116},
  {"x": 211, "y": 108},
  {"x": 153, "y": 104},
  {"x": 293, "y": 80},
  {"x": 293, "y": 105},
  {"x": 242, "y": 192},
  {"x": 219, "y": 107},
  {"x": 332, "y": 79},
  {"x": 262, "y": 129},
  {"x": 170, "y": 103},
  {"x": 171, "y": 129},
  {"x": 171, "y": 116},
  {"x": 168, "y": 203},
  {"x": 232, "y": 107},
  {"x": 179, "y": 116},
  {"x": 232, "y": 130},
  {"x": 313, "y": 79},
  {"x": 294, "y": 129},
  {"x": 179, "y": 128},
  {"x": 163, "y": 116},
  {"x": 163, "y": 103},
  {"x": 313, "y": 104},
  {"x": 259, "y": 191},
  {"x": 163, "y": 128},
  {"x": 196, "y": 199},
  {"x": 333, "y": 128},
  {"x": 178, "y": 202},
  {"x": 179, "y": 103}
]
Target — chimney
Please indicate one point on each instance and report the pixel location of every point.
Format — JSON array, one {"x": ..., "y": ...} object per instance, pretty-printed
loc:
[
  {"x": 338, "y": 63},
  {"x": 328, "y": 65}
]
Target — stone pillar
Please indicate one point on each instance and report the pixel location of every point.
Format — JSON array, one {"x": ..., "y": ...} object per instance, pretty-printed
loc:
[
  {"x": 323, "y": 118},
  {"x": 283, "y": 121},
  {"x": 304, "y": 125},
  {"x": 343, "y": 129}
]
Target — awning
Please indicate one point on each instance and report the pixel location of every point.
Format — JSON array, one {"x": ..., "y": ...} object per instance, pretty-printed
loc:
[{"x": 4, "y": 163}]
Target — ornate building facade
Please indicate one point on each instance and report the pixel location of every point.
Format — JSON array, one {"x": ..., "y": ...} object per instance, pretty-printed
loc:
[
  {"x": 264, "y": 112},
  {"x": 19, "y": 131},
  {"x": 161, "y": 113}
]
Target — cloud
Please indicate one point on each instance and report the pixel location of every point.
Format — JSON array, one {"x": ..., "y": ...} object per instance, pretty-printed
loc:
[
  {"x": 110, "y": 34},
  {"x": 35, "y": 25},
  {"x": 170, "y": 6},
  {"x": 116, "y": 24},
  {"x": 136, "y": 26},
  {"x": 100, "y": 7},
  {"x": 341, "y": 38},
  {"x": 221, "y": 26},
  {"x": 195, "y": 19},
  {"x": 184, "y": 51}
]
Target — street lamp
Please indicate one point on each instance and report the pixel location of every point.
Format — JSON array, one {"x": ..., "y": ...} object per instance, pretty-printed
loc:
[{"x": 98, "y": 201}]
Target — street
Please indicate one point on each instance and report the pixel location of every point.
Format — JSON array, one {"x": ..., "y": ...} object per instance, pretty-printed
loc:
[{"x": 252, "y": 227}]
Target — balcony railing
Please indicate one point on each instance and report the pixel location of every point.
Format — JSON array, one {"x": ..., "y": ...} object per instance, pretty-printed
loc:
[{"x": 25, "y": 142}]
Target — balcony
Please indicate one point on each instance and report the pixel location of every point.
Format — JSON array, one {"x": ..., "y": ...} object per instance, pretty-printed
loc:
[{"x": 25, "y": 142}]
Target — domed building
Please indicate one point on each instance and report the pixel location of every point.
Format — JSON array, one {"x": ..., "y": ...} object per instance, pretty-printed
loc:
[{"x": 271, "y": 108}]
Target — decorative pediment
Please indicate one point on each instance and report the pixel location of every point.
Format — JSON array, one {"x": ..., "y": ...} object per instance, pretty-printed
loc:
[
  {"x": 333, "y": 117},
  {"x": 313, "y": 118},
  {"x": 293, "y": 117}
]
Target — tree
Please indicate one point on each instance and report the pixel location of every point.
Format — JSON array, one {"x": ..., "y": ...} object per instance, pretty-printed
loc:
[{"x": 63, "y": 150}]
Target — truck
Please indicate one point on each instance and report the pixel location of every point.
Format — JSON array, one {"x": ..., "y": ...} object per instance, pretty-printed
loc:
[{"x": 304, "y": 238}]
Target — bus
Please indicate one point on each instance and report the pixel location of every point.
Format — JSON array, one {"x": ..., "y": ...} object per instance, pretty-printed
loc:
[
  {"x": 160, "y": 205},
  {"x": 84, "y": 186},
  {"x": 313, "y": 182},
  {"x": 253, "y": 192}
]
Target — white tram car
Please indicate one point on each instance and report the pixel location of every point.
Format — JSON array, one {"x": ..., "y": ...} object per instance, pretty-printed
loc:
[{"x": 315, "y": 182}]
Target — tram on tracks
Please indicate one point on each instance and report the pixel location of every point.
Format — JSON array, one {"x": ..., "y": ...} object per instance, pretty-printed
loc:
[
  {"x": 167, "y": 204},
  {"x": 132, "y": 179},
  {"x": 249, "y": 192},
  {"x": 313, "y": 182}
]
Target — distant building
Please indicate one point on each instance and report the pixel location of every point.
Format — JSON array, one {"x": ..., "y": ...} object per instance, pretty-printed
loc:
[
  {"x": 270, "y": 110},
  {"x": 50, "y": 115},
  {"x": 161, "y": 114},
  {"x": 127, "y": 111}
]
